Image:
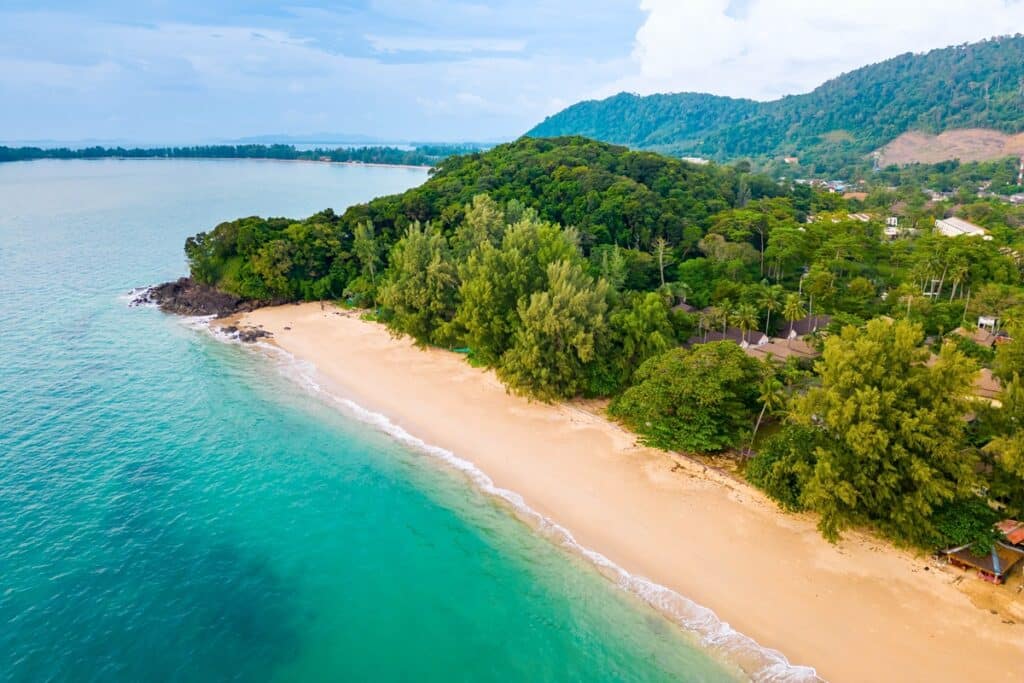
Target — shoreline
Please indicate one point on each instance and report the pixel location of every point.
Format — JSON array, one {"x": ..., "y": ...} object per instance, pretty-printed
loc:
[
  {"x": 860, "y": 610},
  {"x": 301, "y": 161}
]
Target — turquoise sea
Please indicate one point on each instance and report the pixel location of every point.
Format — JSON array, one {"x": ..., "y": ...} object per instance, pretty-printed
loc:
[{"x": 174, "y": 508}]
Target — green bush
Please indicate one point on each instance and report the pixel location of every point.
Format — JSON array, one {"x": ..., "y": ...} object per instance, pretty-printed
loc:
[{"x": 783, "y": 464}]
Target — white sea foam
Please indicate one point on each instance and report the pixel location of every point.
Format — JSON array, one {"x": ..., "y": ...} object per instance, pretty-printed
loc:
[
  {"x": 139, "y": 296},
  {"x": 760, "y": 663}
]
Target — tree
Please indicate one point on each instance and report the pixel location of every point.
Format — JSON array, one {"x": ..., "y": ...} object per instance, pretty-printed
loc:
[
  {"x": 421, "y": 286},
  {"x": 640, "y": 329},
  {"x": 702, "y": 399},
  {"x": 892, "y": 447},
  {"x": 771, "y": 396},
  {"x": 793, "y": 310},
  {"x": 496, "y": 279},
  {"x": 769, "y": 300},
  {"x": 367, "y": 249},
  {"x": 1008, "y": 445},
  {"x": 745, "y": 318},
  {"x": 663, "y": 254},
  {"x": 484, "y": 222},
  {"x": 558, "y": 336},
  {"x": 1010, "y": 356}
]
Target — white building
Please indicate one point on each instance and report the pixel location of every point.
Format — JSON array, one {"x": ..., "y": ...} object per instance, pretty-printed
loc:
[{"x": 957, "y": 227}]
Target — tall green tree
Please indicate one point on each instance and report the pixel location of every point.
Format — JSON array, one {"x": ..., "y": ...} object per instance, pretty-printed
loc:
[
  {"x": 558, "y": 335},
  {"x": 745, "y": 318},
  {"x": 893, "y": 448},
  {"x": 639, "y": 329},
  {"x": 793, "y": 310},
  {"x": 484, "y": 222},
  {"x": 700, "y": 400},
  {"x": 421, "y": 287},
  {"x": 368, "y": 250},
  {"x": 496, "y": 279}
]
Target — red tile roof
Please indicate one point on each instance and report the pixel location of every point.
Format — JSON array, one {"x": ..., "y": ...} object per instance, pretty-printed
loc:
[{"x": 1013, "y": 530}]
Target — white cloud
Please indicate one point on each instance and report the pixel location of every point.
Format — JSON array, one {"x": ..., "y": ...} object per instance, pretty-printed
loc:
[
  {"x": 768, "y": 48},
  {"x": 457, "y": 45}
]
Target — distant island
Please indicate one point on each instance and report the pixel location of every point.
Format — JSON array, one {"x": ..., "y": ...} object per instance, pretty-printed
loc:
[
  {"x": 421, "y": 155},
  {"x": 842, "y": 127}
]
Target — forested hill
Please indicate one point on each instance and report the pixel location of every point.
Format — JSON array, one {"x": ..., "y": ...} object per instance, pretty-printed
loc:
[
  {"x": 609, "y": 194},
  {"x": 979, "y": 85}
]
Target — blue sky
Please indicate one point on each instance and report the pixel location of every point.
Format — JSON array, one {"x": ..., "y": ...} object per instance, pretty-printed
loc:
[{"x": 193, "y": 71}]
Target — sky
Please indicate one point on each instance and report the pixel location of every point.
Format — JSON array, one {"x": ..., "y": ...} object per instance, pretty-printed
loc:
[{"x": 192, "y": 71}]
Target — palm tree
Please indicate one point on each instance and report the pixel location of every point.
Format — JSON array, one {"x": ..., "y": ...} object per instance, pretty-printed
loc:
[
  {"x": 724, "y": 308},
  {"x": 793, "y": 310},
  {"x": 745, "y": 318},
  {"x": 718, "y": 315},
  {"x": 957, "y": 273},
  {"x": 770, "y": 301},
  {"x": 664, "y": 256},
  {"x": 771, "y": 396},
  {"x": 703, "y": 322}
]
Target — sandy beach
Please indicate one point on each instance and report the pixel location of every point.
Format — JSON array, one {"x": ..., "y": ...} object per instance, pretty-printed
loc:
[{"x": 857, "y": 611}]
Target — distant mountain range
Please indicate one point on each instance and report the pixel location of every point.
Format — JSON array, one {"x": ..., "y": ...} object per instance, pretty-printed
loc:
[{"x": 840, "y": 123}]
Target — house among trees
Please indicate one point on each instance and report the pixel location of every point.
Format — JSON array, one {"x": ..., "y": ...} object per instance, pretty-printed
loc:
[
  {"x": 781, "y": 350},
  {"x": 1013, "y": 531},
  {"x": 958, "y": 227},
  {"x": 808, "y": 325},
  {"x": 987, "y": 387},
  {"x": 987, "y": 334},
  {"x": 993, "y": 566}
]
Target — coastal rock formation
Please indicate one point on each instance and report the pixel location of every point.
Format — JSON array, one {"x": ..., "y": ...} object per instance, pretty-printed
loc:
[
  {"x": 187, "y": 297},
  {"x": 247, "y": 335}
]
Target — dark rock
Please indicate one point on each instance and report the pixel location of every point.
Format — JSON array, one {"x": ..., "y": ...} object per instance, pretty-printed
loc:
[
  {"x": 251, "y": 334},
  {"x": 187, "y": 297}
]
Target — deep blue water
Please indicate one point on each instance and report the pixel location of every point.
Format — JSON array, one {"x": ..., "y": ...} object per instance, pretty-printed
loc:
[{"x": 175, "y": 508}]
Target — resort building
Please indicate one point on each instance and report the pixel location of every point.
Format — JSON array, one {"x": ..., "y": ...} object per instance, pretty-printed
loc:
[
  {"x": 781, "y": 350},
  {"x": 957, "y": 227},
  {"x": 993, "y": 566},
  {"x": 808, "y": 325}
]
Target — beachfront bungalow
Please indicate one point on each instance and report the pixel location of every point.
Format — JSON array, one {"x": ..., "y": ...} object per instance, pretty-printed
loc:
[{"x": 994, "y": 566}]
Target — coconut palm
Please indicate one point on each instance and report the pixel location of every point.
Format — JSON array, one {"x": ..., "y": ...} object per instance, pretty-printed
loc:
[
  {"x": 724, "y": 307},
  {"x": 793, "y": 310},
  {"x": 718, "y": 315},
  {"x": 770, "y": 301},
  {"x": 772, "y": 397},
  {"x": 745, "y": 317}
]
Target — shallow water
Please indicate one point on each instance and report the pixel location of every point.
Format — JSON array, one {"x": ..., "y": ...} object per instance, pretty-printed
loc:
[{"x": 176, "y": 508}]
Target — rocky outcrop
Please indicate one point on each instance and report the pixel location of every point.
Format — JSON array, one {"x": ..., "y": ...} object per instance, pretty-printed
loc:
[
  {"x": 187, "y": 297},
  {"x": 247, "y": 335}
]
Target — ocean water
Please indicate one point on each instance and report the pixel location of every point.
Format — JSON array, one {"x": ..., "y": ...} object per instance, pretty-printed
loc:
[{"x": 176, "y": 508}]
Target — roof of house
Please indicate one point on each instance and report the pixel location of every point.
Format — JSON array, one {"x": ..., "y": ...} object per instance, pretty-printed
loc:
[
  {"x": 731, "y": 334},
  {"x": 1013, "y": 530},
  {"x": 958, "y": 226},
  {"x": 810, "y": 324},
  {"x": 685, "y": 307},
  {"x": 1008, "y": 558},
  {"x": 986, "y": 385},
  {"x": 781, "y": 349}
]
